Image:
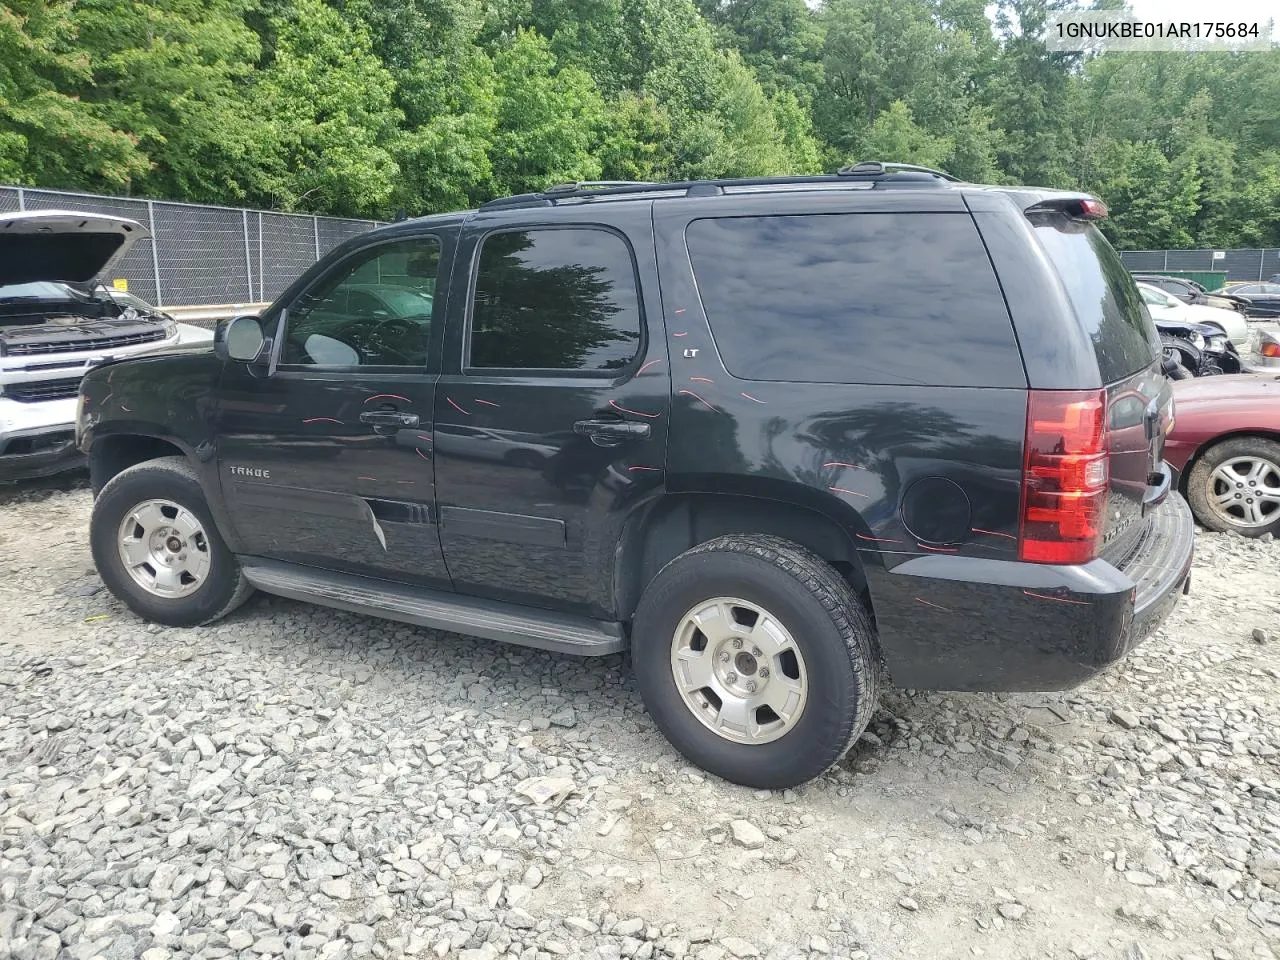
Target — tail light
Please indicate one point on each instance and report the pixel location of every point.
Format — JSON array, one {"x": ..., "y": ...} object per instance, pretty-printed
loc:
[
  {"x": 1269, "y": 348},
  {"x": 1064, "y": 476}
]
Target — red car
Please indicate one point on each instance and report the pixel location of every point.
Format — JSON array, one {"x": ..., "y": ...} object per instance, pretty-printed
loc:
[{"x": 1225, "y": 447}]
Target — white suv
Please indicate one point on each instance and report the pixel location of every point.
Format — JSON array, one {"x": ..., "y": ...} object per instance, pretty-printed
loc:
[{"x": 57, "y": 322}]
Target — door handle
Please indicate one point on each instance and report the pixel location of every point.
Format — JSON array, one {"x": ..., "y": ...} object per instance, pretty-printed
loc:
[
  {"x": 388, "y": 418},
  {"x": 610, "y": 433}
]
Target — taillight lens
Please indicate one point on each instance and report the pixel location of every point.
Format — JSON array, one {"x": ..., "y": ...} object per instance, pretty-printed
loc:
[
  {"x": 1269, "y": 348},
  {"x": 1064, "y": 476},
  {"x": 1093, "y": 210}
]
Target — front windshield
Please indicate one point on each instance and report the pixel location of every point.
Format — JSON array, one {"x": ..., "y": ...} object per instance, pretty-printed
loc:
[{"x": 39, "y": 290}]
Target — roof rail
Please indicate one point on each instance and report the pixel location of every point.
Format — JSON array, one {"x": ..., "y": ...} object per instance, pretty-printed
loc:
[
  {"x": 878, "y": 168},
  {"x": 888, "y": 174},
  {"x": 580, "y": 185}
]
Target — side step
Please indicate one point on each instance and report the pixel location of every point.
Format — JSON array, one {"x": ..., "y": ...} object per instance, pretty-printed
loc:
[{"x": 470, "y": 616}]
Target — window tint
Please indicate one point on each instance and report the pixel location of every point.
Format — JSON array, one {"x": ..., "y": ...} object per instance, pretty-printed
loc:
[
  {"x": 1102, "y": 294},
  {"x": 854, "y": 298},
  {"x": 555, "y": 300},
  {"x": 371, "y": 310}
]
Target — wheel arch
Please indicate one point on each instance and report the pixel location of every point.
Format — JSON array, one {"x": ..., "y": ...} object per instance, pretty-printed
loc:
[
  {"x": 678, "y": 521},
  {"x": 115, "y": 452},
  {"x": 1204, "y": 448}
]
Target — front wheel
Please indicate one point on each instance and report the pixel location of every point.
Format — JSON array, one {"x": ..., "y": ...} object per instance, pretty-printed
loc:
[
  {"x": 1235, "y": 485},
  {"x": 157, "y": 549},
  {"x": 756, "y": 660}
]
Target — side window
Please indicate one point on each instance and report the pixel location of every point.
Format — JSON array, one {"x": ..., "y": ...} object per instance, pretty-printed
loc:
[
  {"x": 373, "y": 309},
  {"x": 555, "y": 299},
  {"x": 901, "y": 298}
]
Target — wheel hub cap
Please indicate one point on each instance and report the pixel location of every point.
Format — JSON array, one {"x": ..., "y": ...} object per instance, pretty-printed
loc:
[
  {"x": 1245, "y": 491},
  {"x": 738, "y": 670},
  {"x": 163, "y": 548}
]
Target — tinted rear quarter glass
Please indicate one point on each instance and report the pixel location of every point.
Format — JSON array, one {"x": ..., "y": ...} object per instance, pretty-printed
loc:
[
  {"x": 869, "y": 298},
  {"x": 1102, "y": 293}
]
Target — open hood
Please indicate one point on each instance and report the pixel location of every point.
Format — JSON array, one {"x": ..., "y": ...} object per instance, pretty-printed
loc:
[{"x": 62, "y": 245}]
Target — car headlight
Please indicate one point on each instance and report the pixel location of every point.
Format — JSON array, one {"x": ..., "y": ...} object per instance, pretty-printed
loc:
[
  {"x": 170, "y": 328},
  {"x": 1216, "y": 345}
]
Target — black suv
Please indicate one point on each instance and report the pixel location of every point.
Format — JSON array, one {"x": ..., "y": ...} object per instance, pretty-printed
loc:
[{"x": 782, "y": 439}]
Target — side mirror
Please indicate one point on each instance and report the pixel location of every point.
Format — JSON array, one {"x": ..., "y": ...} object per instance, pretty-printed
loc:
[{"x": 241, "y": 339}]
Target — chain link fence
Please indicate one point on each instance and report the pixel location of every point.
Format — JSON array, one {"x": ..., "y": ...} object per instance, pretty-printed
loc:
[
  {"x": 1247, "y": 264},
  {"x": 203, "y": 255}
]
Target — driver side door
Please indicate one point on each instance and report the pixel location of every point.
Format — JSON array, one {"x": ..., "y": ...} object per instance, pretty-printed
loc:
[{"x": 327, "y": 460}]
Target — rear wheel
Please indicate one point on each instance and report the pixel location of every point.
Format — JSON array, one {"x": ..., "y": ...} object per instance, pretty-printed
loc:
[
  {"x": 756, "y": 660},
  {"x": 157, "y": 549},
  {"x": 1235, "y": 485}
]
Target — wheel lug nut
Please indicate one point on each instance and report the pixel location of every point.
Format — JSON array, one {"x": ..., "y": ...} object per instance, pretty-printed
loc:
[
  {"x": 764, "y": 673},
  {"x": 724, "y": 657},
  {"x": 737, "y": 644},
  {"x": 755, "y": 651},
  {"x": 731, "y": 677},
  {"x": 751, "y": 686}
]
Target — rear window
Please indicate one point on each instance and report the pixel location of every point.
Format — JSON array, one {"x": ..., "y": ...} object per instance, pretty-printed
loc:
[
  {"x": 1102, "y": 294},
  {"x": 895, "y": 298}
]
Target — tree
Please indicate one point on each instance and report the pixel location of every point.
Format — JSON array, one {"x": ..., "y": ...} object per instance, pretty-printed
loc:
[
  {"x": 548, "y": 119},
  {"x": 895, "y": 136},
  {"x": 48, "y": 135},
  {"x": 329, "y": 100},
  {"x": 173, "y": 73}
]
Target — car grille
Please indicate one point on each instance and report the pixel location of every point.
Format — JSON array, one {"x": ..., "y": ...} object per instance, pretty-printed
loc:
[
  {"x": 35, "y": 390},
  {"x": 81, "y": 344}
]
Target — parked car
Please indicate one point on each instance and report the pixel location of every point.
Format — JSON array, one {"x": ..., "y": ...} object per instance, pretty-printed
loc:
[
  {"x": 1200, "y": 349},
  {"x": 1165, "y": 306},
  {"x": 1260, "y": 299},
  {"x": 1266, "y": 357},
  {"x": 749, "y": 485},
  {"x": 1188, "y": 291},
  {"x": 1225, "y": 445},
  {"x": 56, "y": 322}
]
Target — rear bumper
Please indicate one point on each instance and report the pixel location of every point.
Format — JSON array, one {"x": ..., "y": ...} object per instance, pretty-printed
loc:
[
  {"x": 37, "y": 439},
  {"x": 969, "y": 623}
]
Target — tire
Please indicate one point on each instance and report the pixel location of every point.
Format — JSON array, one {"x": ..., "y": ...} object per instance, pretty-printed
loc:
[
  {"x": 171, "y": 483},
  {"x": 830, "y": 657},
  {"x": 1249, "y": 464}
]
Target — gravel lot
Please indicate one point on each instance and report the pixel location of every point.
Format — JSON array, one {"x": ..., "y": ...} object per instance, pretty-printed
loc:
[{"x": 303, "y": 783}]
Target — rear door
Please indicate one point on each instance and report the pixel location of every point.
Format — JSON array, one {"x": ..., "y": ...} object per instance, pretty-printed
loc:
[
  {"x": 551, "y": 412},
  {"x": 1109, "y": 306}
]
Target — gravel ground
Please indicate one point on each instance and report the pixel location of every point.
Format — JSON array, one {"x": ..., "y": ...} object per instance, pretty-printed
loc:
[{"x": 303, "y": 783}]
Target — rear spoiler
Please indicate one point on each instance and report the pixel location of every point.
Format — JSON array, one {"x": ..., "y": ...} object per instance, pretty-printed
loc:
[{"x": 1077, "y": 206}]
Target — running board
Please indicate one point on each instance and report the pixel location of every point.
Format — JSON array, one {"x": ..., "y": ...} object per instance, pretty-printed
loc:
[{"x": 470, "y": 616}]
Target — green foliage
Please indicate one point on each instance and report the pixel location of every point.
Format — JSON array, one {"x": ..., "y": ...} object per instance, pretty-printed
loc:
[
  {"x": 364, "y": 106},
  {"x": 548, "y": 119},
  {"x": 329, "y": 103},
  {"x": 48, "y": 135}
]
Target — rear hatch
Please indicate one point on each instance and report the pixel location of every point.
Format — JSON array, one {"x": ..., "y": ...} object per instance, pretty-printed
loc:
[{"x": 1138, "y": 396}]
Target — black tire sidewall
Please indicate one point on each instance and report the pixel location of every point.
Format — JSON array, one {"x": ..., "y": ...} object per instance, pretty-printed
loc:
[
  {"x": 1199, "y": 475},
  {"x": 161, "y": 483},
  {"x": 810, "y": 747}
]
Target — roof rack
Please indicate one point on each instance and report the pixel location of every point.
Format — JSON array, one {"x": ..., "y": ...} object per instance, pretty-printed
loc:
[
  {"x": 874, "y": 171},
  {"x": 579, "y": 185},
  {"x": 879, "y": 168}
]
